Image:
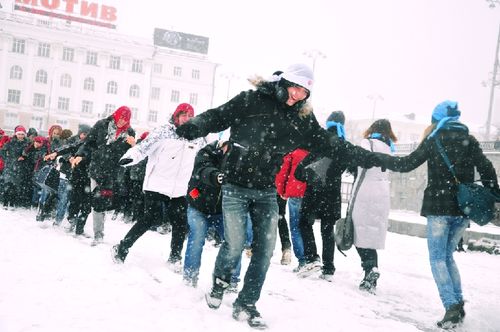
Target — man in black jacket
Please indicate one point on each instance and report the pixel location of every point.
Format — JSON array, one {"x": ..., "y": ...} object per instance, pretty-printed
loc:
[
  {"x": 205, "y": 208},
  {"x": 265, "y": 123}
]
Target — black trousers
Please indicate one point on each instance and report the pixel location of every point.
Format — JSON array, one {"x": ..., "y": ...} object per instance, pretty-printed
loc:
[
  {"x": 80, "y": 204},
  {"x": 176, "y": 209},
  {"x": 283, "y": 225},
  {"x": 369, "y": 258},
  {"x": 310, "y": 250}
]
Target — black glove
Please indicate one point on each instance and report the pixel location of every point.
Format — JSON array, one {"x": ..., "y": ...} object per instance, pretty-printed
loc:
[
  {"x": 125, "y": 161},
  {"x": 305, "y": 174},
  {"x": 218, "y": 178},
  {"x": 300, "y": 173},
  {"x": 188, "y": 130}
]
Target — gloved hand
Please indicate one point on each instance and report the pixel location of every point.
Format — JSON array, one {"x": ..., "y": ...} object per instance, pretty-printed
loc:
[
  {"x": 125, "y": 161},
  {"x": 305, "y": 174},
  {"x": 218, "y": 177},
  {"x": 188, "y": 130},
  {"x": 300, "y": 173}
]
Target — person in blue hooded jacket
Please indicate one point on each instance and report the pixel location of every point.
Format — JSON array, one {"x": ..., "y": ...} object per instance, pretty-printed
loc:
[{"x": 446, "y": 222}]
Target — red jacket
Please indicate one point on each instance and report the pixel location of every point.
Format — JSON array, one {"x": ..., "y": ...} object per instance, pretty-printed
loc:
[
  {"x": 3, "y": 140},
  {"x": 286, "y": 183}
]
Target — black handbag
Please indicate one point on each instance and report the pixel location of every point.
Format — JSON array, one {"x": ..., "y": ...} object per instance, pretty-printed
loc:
[
  {"x": 475, "y": 201},
  {"x": 47, "y": 178}
]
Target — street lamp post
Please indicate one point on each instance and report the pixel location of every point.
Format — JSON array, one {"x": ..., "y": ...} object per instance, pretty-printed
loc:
[
  {"x": 375, "y": 98},
  {"x": 494, "y": 83},
  {"x": 229, "y": 77}
]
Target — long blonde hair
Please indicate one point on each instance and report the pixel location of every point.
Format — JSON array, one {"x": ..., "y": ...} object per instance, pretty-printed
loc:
[{"x": 428, "y": 131}]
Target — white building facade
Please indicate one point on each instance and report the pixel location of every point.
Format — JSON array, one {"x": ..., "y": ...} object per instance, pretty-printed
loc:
[{"x": 56, "y": 72}]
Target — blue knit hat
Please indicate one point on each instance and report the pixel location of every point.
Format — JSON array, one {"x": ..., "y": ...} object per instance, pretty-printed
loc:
[{"x": 446, "y": 109}]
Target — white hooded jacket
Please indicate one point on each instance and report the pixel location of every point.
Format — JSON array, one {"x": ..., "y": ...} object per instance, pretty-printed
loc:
[{"x": 170, "y": 160}]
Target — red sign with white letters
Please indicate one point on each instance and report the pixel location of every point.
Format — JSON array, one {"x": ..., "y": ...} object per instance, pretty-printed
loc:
[{"x": 71, "y": 10}]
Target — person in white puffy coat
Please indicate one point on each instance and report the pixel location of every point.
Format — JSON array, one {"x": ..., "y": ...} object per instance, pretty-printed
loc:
[
  {"x": 168, "y": 170},
  {"x": 371, "y": 205}
]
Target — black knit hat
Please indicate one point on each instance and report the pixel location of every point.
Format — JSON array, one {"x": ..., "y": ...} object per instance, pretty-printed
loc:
[
  {"x": 32, "y": 132},
  {"x": 337, "y": 116}
]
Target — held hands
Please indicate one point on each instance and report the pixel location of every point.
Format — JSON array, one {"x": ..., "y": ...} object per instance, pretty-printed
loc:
[
  {"x": 130, "y": 140},
  {"x": 75, "y": 161},
  {"x": 188, "y": 130},
  {"x": 50, "y": 156}
]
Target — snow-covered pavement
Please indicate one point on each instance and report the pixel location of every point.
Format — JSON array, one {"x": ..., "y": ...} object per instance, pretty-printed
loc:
[{"x": 51, "y": 281}]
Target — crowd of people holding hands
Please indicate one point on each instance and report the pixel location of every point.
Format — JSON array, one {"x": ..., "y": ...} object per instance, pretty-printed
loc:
[{"x": 275, "y": 155}]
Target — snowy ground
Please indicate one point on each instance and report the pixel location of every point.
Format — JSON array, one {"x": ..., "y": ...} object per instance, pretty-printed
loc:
[{"x": 50, "y": 281}]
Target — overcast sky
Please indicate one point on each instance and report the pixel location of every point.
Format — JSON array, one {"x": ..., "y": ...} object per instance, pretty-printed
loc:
[{"x": 413, "y": 53}]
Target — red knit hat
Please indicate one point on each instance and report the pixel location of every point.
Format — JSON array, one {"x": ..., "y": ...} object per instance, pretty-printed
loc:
[
  {"x": 19, "y": 130},
  {"x": 182, "y": 108}
]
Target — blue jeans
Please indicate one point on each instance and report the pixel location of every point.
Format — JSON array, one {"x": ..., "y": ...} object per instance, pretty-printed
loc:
[
  {"x": 62, "y": 200},
  {"x": 249, "y": 239},
  {"x": 443, "y": 234},
  {"x": 237, "y": 203},
  {"x": 198, "y": 226},
  {"x": 297, "y": 243}
]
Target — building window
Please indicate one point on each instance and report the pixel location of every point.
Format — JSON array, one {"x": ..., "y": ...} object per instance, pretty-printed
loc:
[
  {"x": 174, "y": 97},
  {"x": 14, "y": 96},
  {"x": 11, "y": 119},
  {"x": 108, "y": 110},
  {"x": 18, "y": 45},
  {"x": 87, "y": 107},
  {"x": 134, "y": 91},
  {"x": 195, "y": 74},
  {"x": 157, "y": 68},
  {"x": 44, "y": 50},
  {"x": 193, "y": 98},
  {"x": 114, "y": 62},
  {"x": 177, "y": 71},
  {"x": 137, "y": 66},
  {"x": 38, "y": 100},
  {"x": 88, "y": 84},
  {"x": 68, "y": 54},
  {"x": 16, "y": 73},
  {"x": 153, "y": 116},
  {"x": 135, "y": 113},
  {"x": 63, "y": 104},
  {"x": 91, "y": 58},
  {"x": 36, "y": 122},
  {"x": 112, "y": 87},
  {"x": 41, "y": 76},
  {"x": 66, "y": 80},
  {"x": 155, "y": 93},
  {"x": 62, "y": 123}
]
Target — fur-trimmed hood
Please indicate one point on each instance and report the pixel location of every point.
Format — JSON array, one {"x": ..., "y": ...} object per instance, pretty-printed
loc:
[{"x": 269, "y": 87}]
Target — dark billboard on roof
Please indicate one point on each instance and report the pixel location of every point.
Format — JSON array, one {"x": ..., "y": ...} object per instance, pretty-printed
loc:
[{"x": 181, "y": 41}]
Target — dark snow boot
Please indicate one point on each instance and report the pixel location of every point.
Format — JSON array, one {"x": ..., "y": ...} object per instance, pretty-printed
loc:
[
  {"x": 452, "y": 317},
  {"x": 249, "y": 313},
  {"x": 118, "y": 254},
  {"x": 369, "y": 283},
  {"x": 214, "y": 297}
]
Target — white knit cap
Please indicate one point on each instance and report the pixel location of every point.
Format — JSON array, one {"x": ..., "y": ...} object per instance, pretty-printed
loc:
[{"x": 300, "y": 74}]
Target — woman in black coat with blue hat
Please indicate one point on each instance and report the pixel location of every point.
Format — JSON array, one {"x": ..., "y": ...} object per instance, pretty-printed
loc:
[{"x": 446, "y": 222}]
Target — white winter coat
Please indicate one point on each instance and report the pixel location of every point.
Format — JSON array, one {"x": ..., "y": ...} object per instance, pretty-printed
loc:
[
  {"x": 170, "y": 160},
  {"x": 372, "y": 204}
]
